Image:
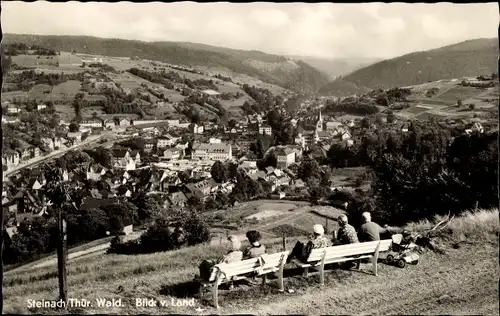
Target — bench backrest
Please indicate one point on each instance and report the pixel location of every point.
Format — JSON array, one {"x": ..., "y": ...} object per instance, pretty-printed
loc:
[
  {"x": 349, "y": 250},
  {"x": 264, "y": 262}
]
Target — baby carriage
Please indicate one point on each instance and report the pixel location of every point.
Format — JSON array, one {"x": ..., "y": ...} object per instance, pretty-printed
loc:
[{"x": 401, "y": 251}]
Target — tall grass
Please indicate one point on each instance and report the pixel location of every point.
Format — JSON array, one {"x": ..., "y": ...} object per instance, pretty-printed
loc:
[{"x": 472, "y": 225}]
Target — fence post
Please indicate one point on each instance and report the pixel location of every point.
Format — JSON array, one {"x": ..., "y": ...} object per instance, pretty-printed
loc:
[
  {"x": 284, "y": 242},
  {"x": 326, "y": 226}
]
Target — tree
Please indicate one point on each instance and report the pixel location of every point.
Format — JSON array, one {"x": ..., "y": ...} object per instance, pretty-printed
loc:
[
  {"x": 459, "y": 103},
  {"x": 472, "y": 106},
  {"x": 149, "y": 207},
  {"x": 365, "y": 122},
  {"x": 74, "y": 127},
  {"x": 309, "y": 168},
  {"x": 391, "y": 117},
  {"x": 219, "y": 172},
  {"x": 195, "y": 229},
  {"x": 232, "y": 170},
  {"x": 269, "y": 160},
  {"x": 102, "y": 155}
]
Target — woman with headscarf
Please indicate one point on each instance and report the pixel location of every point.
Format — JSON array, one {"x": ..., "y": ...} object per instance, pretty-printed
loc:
[
  {"x": 301, "y": 251},
  {"x": 319, "y": 240},
  {"x": 234, "y": 254}
]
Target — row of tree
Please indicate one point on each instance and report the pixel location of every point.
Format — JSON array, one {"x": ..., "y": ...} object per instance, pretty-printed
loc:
[{"x": 425, "y": 171}]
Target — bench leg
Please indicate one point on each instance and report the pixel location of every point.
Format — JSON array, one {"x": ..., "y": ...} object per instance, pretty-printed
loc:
[
  {"x": 215, "y": 294},
  {"x": 280, "y": 281},
  {"x": 374, "y": 265},
  {"x": 358, "y": 264},
  {"x": 201, "y": 291},
  {"x": 306, "y": 271},
  {"x": 375, "y": 259},
  {"x": 322, "y": 275}
]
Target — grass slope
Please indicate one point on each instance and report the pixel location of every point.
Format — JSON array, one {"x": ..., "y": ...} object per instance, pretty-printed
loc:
[
  {"x": 463, "y": 280},
  {"x": 469, "y": 58},
  {"x": 303, "y": 77}
]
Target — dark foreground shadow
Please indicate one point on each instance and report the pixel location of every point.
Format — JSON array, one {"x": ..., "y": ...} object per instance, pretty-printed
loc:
[{"x": 293, "y": 277}]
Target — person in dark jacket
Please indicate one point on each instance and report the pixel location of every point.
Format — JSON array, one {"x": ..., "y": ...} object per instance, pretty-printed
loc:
[
  {"x": 370, "y": 231},
  {"x": 256, "y": 249}
]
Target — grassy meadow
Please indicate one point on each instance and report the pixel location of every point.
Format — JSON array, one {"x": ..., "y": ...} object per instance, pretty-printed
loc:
[{"x": 429, "y": 287}]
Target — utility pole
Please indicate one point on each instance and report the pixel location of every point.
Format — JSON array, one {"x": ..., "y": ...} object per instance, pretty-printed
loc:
[
  {"x": 62, "y": 257},
  {"x": 1, "y": 259}
]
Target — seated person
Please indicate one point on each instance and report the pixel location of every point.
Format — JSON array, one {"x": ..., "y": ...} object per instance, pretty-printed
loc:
[
  {"x": 256, "y": 249},
  {"x": 344, "y": 236},
  {"x": 370, "y": 231},
  {"x": 301, "y": 251},
  {"x": 233, "y": 255},
  {"x": 319, "y": 240},
  {"x": 346, "y": 233}
]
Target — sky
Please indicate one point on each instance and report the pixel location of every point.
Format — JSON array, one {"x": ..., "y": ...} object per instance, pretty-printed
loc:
[{"x": 324, "y": 30}]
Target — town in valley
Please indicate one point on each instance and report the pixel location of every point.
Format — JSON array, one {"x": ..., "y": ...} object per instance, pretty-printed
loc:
[{"x": 156, "y": 155}]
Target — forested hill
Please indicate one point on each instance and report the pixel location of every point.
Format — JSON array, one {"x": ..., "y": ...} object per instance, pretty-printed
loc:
[
  {"x": 279, "y": 70},
  {"x": 465, "y": 59}
]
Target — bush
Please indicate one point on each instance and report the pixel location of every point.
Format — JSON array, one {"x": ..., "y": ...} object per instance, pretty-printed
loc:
[{"x": 167, "y": 234}]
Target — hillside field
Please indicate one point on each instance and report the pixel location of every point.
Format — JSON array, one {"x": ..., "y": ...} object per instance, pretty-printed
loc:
[
  {"x": 443, "y": 104},
  {"x": 440, "y": 284},
  {"x": 465, "y": 59},
  {"x": 64, "y": 93}
]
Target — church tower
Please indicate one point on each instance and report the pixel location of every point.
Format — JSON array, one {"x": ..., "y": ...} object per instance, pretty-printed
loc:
[{"x": 319, "y": 123}]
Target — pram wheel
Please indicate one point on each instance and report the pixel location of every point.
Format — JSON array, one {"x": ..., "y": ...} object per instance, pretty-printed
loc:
[
  {"x": 401, "y": 263},
  {"x": 390, "y": 259}
]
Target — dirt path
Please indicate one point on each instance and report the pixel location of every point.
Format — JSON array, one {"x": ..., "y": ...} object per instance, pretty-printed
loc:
[
  {"x": 99, "y": 249},
  {"x": 464, "y": 281}
]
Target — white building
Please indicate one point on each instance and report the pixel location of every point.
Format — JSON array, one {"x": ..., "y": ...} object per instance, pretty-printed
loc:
[
  {"x": 49, "y": 142},
  {"x": 172, "y": 154},
  {"x": 91, "y": 123},
  {"x": 40, "y": 107},
  {"x": 166, "y": 141},
  {"x": 10, "y": 120},
  {"x": 265, "y": 129},
  {"x": 76, "y": 136},
  {"x": 212, "y": 151},
  {"x": 214, "y": 140},
  {"x": 11, "y": 159},
  {"x": 13, "y": 110},
  {"x": 285, "y": 157},
  {"x": 197, "y": 129}
]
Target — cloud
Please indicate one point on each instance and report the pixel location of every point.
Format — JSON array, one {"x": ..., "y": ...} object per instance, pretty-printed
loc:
[
  {"x": 435, "y": 28},
  {"x": 270, "y": 18},
  {"x": 320, "y": 29}
]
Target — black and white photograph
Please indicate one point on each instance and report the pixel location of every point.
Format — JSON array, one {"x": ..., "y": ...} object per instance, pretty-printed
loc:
[{"x": 257, "y": 158}]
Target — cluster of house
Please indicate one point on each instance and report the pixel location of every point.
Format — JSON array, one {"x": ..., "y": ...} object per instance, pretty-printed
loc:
[
  {"x": 12, "y": 158},
  {"x": 323, "y": 132},
  {"x": 25, "y": 197}
]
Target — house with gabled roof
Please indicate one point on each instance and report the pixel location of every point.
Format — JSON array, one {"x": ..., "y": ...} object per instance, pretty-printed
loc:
[
  {"x": 285, "y": 157},
  {"x": 11, "y": 158},
  {"x": 178, "y": 199},
  {"x": 95, "y": 172},
  {"x": 173, "y": 153},
  {"x": 201, "y": 189}
]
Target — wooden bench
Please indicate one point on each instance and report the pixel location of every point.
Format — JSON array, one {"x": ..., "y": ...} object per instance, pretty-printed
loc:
[
  {"x": 318, "y": 258},
  {"x": 229, "y": 272}
]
